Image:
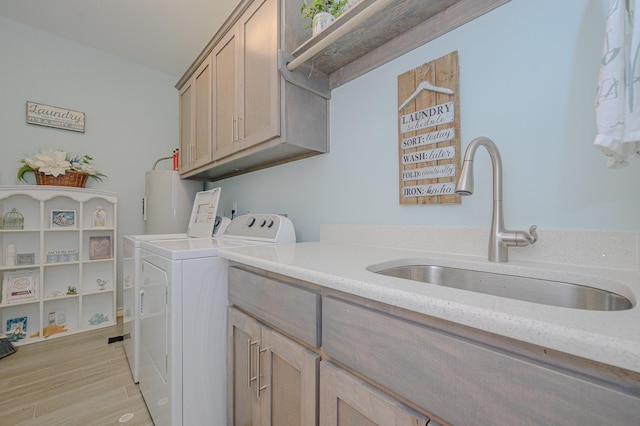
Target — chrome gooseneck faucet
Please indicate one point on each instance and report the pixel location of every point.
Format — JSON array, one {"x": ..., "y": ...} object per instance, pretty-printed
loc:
[{"x": 500, "y": 238}]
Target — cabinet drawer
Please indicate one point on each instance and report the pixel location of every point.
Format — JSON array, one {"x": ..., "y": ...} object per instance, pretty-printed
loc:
[
  {"x": 463, "y": 382},
  {"x": 293, "y": 310}
]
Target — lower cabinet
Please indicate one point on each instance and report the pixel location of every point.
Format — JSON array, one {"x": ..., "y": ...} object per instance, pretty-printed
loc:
[
  {"x": 302, "y": 354},
  {"x": 348, "y": 401},
  {"x": 274, "y": 371},
  {"x": 271, "y": 379}
]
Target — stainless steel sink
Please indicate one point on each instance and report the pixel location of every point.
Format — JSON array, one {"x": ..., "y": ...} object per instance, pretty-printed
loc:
[{"x": 554, "y": 293}]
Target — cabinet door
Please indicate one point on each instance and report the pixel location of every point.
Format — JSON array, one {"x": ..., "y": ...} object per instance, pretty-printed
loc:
[
  {"x": 260, "y": 118},
  {"x": 226, "y": 95},
  {"x": 289, "y": 384},
  {"x": 202, "y": 152},
  {"x": 195, "y": 119},
  {"x": 243, "y": 335},
  {"x": 348, "y": 401},
  {"x": 186, "y": 124}
]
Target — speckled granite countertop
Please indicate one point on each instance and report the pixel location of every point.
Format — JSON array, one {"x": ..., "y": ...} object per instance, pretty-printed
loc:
[{"x": 608, "y": 337}]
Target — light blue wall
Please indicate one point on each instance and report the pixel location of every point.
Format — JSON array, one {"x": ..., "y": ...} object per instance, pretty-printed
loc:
[
  {"x": 527, "y": 79},
  {"x": 131, "y": 112},
  {"x": 528, "y": 74}
]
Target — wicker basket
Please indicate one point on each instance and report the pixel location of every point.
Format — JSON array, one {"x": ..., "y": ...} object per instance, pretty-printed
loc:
[{"x": 78, "y": 180}]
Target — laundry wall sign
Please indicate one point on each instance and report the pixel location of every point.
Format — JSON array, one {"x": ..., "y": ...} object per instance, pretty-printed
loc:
[
  {"x": 51, "y": 116},
  {"x": 429, "y": 132}
]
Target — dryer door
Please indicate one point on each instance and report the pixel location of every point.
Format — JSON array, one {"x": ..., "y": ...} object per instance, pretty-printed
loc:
[{"x": 154, "y": 317}]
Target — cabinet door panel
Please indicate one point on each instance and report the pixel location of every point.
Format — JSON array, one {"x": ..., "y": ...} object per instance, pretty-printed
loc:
[
  {"x": 186, "y": 124},
  {"x": 225, "y": 85},
  {"x": 259, "y": 35},
  {"x": 243, "y": 335},
  {"x": 289, "y": 383},
  {"x": 348, "y": 401},
  {"x": 195, "y": 119},
  {"x": 202, "y": 153}
]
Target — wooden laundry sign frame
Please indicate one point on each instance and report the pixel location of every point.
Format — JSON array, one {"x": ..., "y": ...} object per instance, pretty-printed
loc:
[
  {"x": 429, "y": 132},
  {"x": 51, "y": 116}
]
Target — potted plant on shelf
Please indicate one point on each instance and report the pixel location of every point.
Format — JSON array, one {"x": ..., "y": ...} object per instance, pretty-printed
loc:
[
  {"x": 59, "y": 168},
  {"x": 321, "y": 13}
]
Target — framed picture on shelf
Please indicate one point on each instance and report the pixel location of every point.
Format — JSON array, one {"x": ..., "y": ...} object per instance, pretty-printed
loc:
[
  {"x": 16, "y": 329},
  {"x": 99, "y": 248},
  {"x": 25, "y": 259},
  {"x": 63, "y": 218},
  {"x": 19, "y": 286}
]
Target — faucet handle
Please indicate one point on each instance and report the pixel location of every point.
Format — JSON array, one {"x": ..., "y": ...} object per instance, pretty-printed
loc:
[{"x": 534, "y": 234}]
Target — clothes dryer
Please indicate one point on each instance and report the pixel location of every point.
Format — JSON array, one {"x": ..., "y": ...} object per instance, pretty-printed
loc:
[
  {"x": 203, "y": 223},
  {"x": 183, "y": 299}
]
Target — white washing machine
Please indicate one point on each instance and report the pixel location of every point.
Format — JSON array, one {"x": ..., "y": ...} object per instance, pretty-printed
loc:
[
  {"x": 131, "y": 270},
  {"x": 183, "y": 301}
]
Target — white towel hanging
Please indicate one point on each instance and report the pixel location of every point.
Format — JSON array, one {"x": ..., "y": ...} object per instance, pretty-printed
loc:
[{"x": 618, "y": 95}]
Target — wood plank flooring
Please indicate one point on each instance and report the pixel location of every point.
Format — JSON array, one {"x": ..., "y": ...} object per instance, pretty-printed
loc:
[{"x": 73, "y": 380}]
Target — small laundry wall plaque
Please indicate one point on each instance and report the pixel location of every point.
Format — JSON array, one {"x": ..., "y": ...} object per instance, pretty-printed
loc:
[
  {"x": 429, "y": 132},
  {"x": 50, "y": 116}
]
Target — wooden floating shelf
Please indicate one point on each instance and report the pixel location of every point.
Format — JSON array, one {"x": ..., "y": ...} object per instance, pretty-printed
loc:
[{"x": 377, "y": 31}]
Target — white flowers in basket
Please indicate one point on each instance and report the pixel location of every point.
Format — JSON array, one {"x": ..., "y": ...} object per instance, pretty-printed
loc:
[{"x": 57, "y": 163}]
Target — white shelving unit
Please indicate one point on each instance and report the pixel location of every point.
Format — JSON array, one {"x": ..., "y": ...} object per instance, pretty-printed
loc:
[{"x": 66, "y": 256}]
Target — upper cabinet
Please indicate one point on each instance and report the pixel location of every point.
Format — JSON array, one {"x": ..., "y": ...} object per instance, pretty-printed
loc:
[
  {"x": 258, "y": 118},
  {"x": 258, "y": 94}
]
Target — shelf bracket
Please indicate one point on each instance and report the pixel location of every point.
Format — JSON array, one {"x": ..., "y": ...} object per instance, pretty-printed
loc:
[{"x": 304, "y": 77}]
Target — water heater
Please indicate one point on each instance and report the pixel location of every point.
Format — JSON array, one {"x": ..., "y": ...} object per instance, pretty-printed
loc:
[{"x": 167, "y": 203}]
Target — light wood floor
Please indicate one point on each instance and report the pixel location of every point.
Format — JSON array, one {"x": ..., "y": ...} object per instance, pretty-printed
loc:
[{"x": 72, "y": 380}]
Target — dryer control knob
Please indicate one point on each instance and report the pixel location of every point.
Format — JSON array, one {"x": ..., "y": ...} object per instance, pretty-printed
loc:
[{"x": 251, "y": 221}]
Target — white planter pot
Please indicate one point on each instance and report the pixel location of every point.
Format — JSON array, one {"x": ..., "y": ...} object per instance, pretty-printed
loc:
[{"x": 321, "y": 21}]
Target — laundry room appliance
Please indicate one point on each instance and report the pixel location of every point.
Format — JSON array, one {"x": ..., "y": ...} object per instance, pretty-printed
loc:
[
  {"x": 166, "y": 206},
  {"x": 132, "y": 263},
  {"x": 183, "y": 299}
]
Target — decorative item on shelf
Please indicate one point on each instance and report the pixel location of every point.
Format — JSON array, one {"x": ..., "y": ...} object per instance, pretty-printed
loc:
[
  {"x": 13, "y": 220},
  {"x": 11, "y": 255},
  {"x": 16, "y": 329},
  {"x": 72, "y": 290},
  {"x": 53, "y": 329},
  {"x": 59, "y": 168},
  {"x": 99, "y": 217},
  {"x": 101, "y": 283},
  {"x": 322, "y": 13},
  {"x": 25, "y": 259},
  {"x": 62, "y": 256},
  {"x": 19, "y": 286},
  {"x": 98, "y": 319},
  {"x": 58, "y": 318},
  {"x": 99, "y": 248},
  {"x": 63, "y": 219}
]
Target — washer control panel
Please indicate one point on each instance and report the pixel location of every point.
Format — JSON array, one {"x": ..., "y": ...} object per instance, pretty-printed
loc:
[{"x": 261, "y": 227}]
